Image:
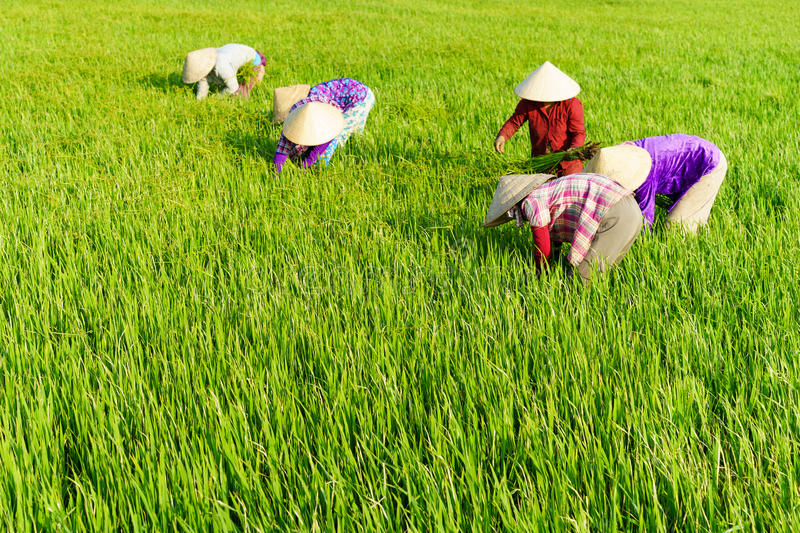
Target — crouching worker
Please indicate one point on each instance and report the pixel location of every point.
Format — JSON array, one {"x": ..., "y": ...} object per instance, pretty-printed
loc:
[
  {"x": 596, "y": 216},
  {"x": 686, "y": 168},
  {"x": 219, "y": 66},
  {"x": 322, "y": 121}
]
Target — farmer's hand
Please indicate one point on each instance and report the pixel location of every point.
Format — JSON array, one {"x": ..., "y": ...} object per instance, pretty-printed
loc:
[{"x": 499, "y": 144}]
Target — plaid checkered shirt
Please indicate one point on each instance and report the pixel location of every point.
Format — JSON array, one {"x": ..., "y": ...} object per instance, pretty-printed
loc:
[{"x": 572, "y": 208}]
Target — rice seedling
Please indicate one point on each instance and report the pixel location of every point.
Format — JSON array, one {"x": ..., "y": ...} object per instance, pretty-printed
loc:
[
  {"x": 547, "y": 163},
  {"x": 246, "y": 74}
]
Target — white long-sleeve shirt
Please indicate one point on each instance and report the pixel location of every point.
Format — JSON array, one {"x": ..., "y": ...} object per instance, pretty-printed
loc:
[{"x": 230, "y": 59}]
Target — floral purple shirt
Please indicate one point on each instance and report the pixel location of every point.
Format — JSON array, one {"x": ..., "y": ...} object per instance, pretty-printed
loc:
[
  {"x": 679, "y": 161},
  {"x": 343, "y": 93}
]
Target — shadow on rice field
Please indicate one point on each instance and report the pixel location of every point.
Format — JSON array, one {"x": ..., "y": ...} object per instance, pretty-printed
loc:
[{"x": 165, "y": 82}]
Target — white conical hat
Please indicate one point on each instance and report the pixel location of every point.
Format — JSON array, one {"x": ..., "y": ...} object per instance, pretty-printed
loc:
[
  {"x": 547, "y": 84},
  {"x": 510, "y": 190},
  {"x": 627, "y": 164},
  {"x": 313, "y": 123},
  {"x": 284, "y": 98},
  {"x": 198, "y": 64}
]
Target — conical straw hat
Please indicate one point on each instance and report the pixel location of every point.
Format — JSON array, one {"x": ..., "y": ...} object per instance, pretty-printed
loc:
[
  {"x": 510, "y": 190},
  {"x": 198, "y": 64},
  {"x": 626, "y": 164},
  {"x": 547, "y": 84},
  {"x": 313, "y": 123},
  {"x": 284, "y": 98}
]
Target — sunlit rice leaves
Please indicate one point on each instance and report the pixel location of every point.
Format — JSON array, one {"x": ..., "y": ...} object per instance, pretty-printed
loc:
[{"x": 189, "y": 344}]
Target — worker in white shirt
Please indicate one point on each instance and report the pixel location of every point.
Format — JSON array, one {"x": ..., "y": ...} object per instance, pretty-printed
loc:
[{"x": 220, "y": 66}]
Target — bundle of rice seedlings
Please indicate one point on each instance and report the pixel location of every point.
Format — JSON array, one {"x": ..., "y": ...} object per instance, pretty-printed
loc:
[
  {"x": 246, "y": 74},
  {"x": 490, "y": 165},
  {"x": 547, "y": 163}
]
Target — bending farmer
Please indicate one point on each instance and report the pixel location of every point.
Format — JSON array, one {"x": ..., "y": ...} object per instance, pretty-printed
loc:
[
  {"x": 598, "y": 217},
  {"x": 323, "y": 121},
  {"x": 220, "y": 66},
  {"x": 686, "y": 168}
]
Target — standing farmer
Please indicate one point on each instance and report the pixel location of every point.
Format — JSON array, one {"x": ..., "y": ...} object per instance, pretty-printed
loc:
[
  {"x": 323, "y": 121},
  {"x": 554, "y": 115},
  {"x": 220, "y": 66},
  {"x": 686, "y": 168},
  {"x": 597, "y": 216}
]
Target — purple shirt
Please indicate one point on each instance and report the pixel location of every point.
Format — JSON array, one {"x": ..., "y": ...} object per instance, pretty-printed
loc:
[
  {"x": 679, "y": 161},
  {"x": 344, "y": 93}
]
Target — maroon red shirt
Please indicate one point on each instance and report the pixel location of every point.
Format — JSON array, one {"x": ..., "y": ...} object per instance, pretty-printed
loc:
[{"x": 559, "y": 128}]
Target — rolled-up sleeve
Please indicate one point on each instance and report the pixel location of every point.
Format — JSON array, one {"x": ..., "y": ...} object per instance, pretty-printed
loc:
[
  {"x": 536, "y": 211},
  {"x": 282, "y": 150}
]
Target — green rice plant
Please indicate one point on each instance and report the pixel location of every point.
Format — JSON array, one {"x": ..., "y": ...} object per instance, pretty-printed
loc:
[
  {"x": 547, "y": 163},
  {"x": 541, "y": 164},
  {"x": 246, "y": 74},
  {"x": 189, "y": 344}
]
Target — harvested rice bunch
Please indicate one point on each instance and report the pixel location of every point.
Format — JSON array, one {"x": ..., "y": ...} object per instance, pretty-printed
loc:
[
  {"x": 246, "y": 74},
  {"x": 547, "y": 163}
]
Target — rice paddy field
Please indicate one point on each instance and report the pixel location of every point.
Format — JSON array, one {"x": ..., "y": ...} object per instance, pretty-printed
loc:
[{"x": 189, "y": 344}]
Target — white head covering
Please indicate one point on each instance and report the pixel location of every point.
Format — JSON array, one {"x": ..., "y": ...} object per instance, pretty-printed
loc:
[
  {"x": 510, "y": 190},
  {"x": 198, "y": 64},
  {"x": 627, "y": 164},
  {"x": 313, "y": 123},
  {"x": 284, "y": 98},
  {"x": 547, "y": 84}
]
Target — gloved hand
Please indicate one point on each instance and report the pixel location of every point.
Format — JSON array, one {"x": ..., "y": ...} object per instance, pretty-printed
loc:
[{"x": 278, "y": 162}]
